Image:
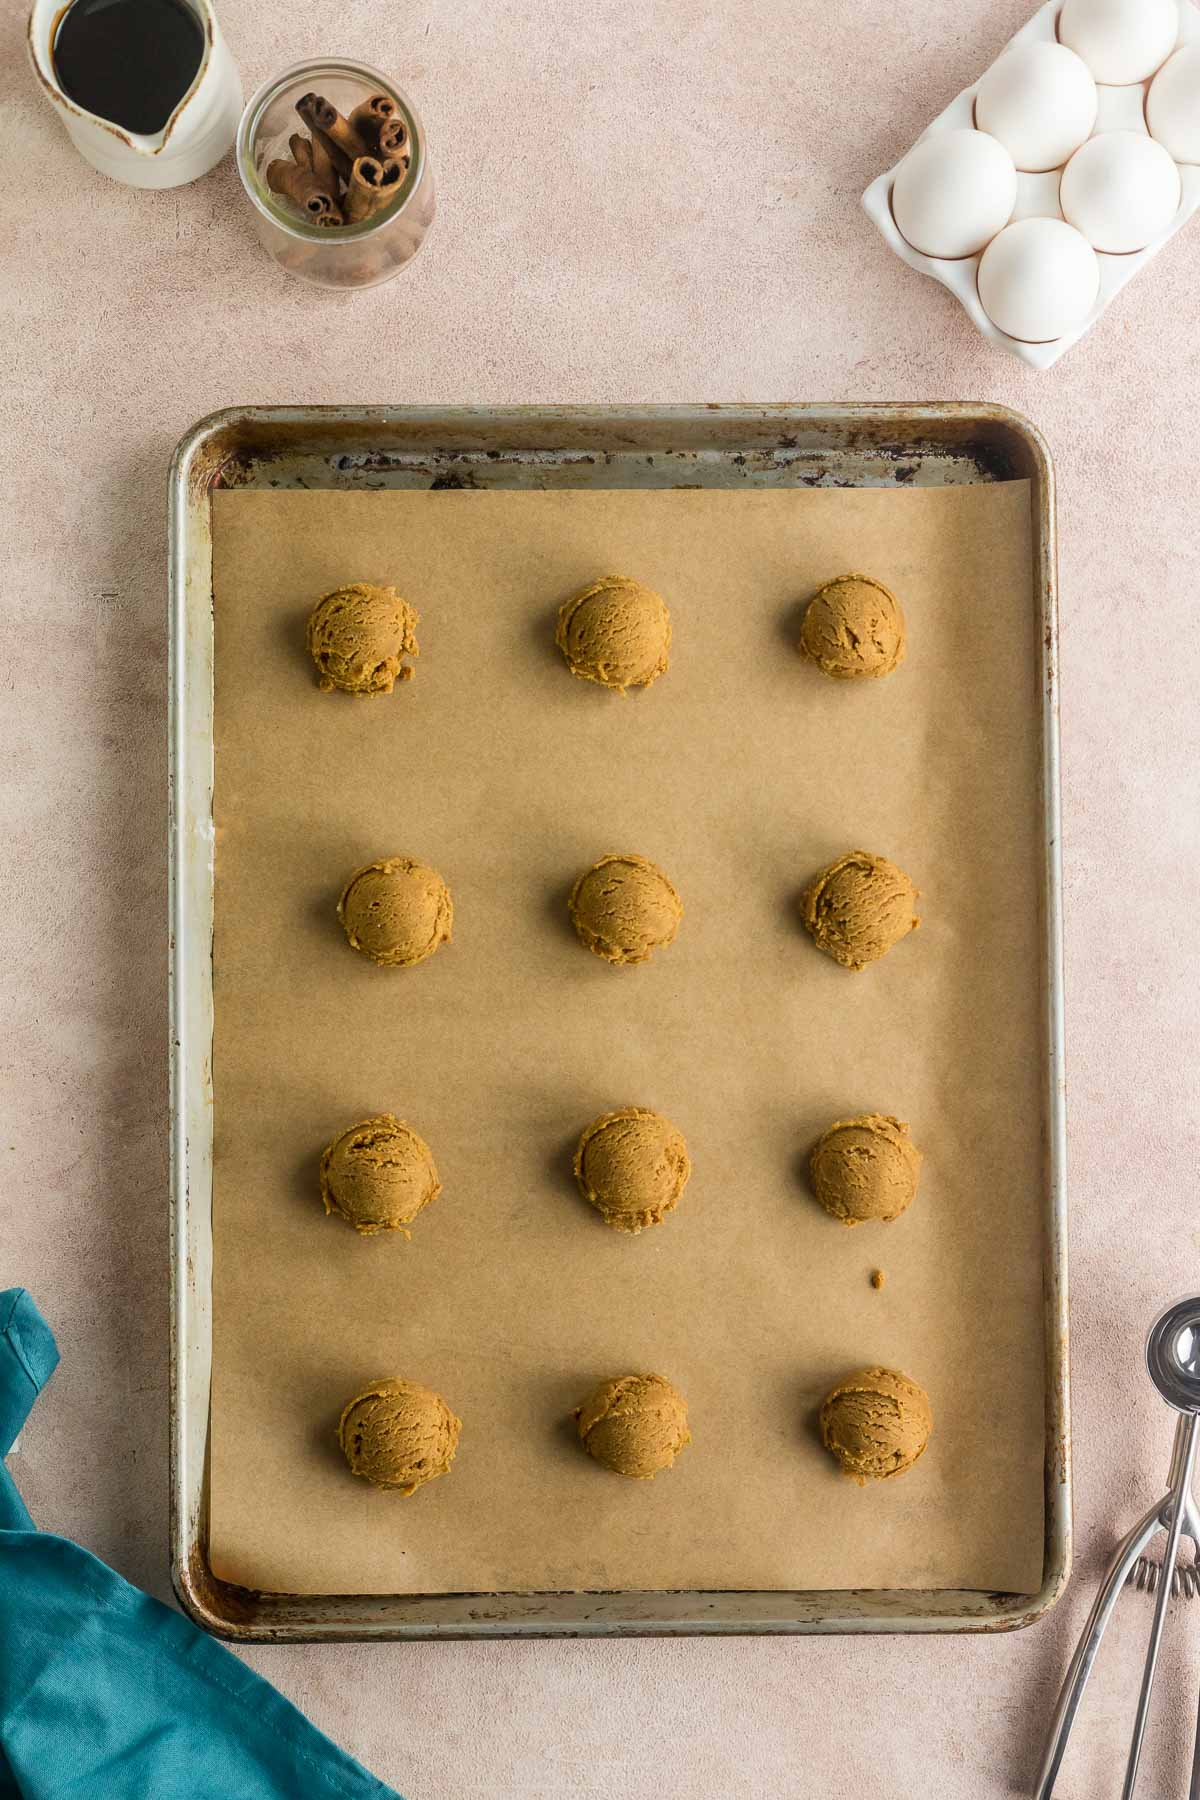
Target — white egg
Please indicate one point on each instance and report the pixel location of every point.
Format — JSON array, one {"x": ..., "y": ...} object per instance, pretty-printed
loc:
[
  {"x": 1121, "y": 190},
  {"x": 1038, "y": 280},
  {"x": 1039, "y": 100},
  {"x": 1173, "y": 105},
  {"x": 953, "y": 192},
  {"x": 1121, "y": 41}
]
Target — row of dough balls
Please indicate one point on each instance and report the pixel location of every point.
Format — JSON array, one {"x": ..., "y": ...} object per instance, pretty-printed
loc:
[
  {"x": 397, "y": 911},
  {"x": 631, "y": 1165},
  {"x": 397, "y": 1434},
  {"x": 616, "y": 632}
]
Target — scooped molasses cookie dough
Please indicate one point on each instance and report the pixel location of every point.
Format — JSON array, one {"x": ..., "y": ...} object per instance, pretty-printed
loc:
[
  {"x": 624, "y": 908},
  {"x": 398, "y": 1434},
  {"x": 635, "y": 1425},
  {"x": 632, "y": 1166},
  {"x": 358, "y": 636},
  {"x": 379, "y": 1175},
  {"x": 396, "y": 912},
  {"x": 865, "y": 1168},
  {"x": 858, "y": 908},
  {"x": 853, "y": 629},
  {"x": 877, "y": 1423},
  {"x": 616, "y": 633}
]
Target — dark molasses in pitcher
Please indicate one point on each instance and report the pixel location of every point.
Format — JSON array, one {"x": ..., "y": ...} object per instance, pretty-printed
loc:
[{"x": 130, "y": 61}]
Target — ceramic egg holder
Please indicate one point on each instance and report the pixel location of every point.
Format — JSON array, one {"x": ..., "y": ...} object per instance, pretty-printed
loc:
[{"x": 1120, "y": 109}]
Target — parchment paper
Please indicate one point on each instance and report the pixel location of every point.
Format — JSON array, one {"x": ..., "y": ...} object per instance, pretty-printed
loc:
[{"x": 741, "y": 772}]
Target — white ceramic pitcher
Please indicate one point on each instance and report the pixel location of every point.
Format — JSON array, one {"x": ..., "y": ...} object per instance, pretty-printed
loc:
[{"x": 198, "y": 134}]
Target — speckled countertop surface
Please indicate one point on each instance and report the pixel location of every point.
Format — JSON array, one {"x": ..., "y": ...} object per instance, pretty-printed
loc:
[{"x": 638, "y": 203}]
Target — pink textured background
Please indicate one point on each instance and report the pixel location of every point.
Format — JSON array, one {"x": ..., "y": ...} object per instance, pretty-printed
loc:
[{"x": 639, "y": 203}]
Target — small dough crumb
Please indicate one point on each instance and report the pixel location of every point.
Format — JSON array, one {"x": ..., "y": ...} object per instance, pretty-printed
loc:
[
  {"x": 379, "y": 1175},
  {"x": 396, "y": 911},
  {"x": 398, "y": 1434},
  {"x": 624, "y": 908},
  {"x": 632, "y": 1166},
  {"x": 866, "y": 1168},
  {"x": 635, "y": 1425},
  {"x": 853, "y": 629},
  {"x": 616, "y": 632},
  {"x": 877, "y": 1278},
  {"x": 859, "y": 908},
  {"x": 358, "y": 636},
  {"x": 877, "y": 1423}
]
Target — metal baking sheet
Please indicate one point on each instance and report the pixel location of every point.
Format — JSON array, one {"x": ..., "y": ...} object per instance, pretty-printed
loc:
[{"x": 718, "y": 447}]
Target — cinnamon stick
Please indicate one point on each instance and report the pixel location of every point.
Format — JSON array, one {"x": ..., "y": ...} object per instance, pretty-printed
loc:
[
  {"x": 302, "y": 187},
  {"x": 336, "y": 133},
  {"x": 322, "y": 162},
  {"x": 370, "y": 117},
  {"x": 365, "y": 176},
  {"x": 394, "y": 169},
  {"x": 301, "y": 149},
  {"x": 372, "y": 184},
  {"x": 393, "y": 137}
]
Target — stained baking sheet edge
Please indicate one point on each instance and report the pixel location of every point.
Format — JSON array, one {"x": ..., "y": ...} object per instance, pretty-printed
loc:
[{"x": 467, "y": 447}]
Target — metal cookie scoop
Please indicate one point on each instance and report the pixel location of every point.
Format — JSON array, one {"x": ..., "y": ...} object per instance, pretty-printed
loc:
[{"x": 1173, "y": 1358}]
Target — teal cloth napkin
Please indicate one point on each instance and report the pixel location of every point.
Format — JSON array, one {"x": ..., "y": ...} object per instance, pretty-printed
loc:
[{"x": 106, "y": 1694}]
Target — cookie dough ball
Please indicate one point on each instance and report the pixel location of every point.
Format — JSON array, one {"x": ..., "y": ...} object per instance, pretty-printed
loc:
[
  {"x": 866, "y": 1168},
  {"x": 624, "y": 909},
  {"x": 379, "y": 1175},
  {"x": 634, "y": 1425},
  {"x": 853, "y": 629},
  {"x": 397, "y": 1434},
  {"x": 397, "y": 911},
  {"x": 358, "y": 636},
  {"x": 858, "y": 908},
  {"x": 877, "y": 1423},
  {"x": 616, "y": 632},
  {"x": 632, "y": 1166}
]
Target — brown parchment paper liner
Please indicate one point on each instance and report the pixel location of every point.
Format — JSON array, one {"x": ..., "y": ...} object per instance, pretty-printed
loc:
[{"x": 741, "y": 772}]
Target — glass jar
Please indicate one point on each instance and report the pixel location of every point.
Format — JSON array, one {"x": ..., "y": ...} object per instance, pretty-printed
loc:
[{"x": 337, "y": 256}]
